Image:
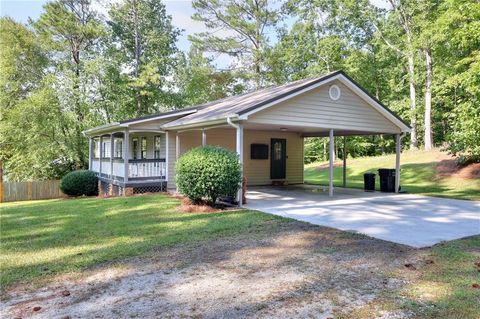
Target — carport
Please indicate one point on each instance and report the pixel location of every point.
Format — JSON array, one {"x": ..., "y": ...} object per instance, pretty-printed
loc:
[{"x": 409, "y": 219}]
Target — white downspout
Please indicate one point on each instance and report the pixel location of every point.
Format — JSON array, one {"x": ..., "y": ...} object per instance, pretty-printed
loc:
[{"x": 239, "y": 144}]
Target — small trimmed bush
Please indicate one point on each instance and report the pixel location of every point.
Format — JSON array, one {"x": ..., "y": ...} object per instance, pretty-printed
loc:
[
  {"x": 208, "y": 172},
  {"x": 78, "y": 183}
]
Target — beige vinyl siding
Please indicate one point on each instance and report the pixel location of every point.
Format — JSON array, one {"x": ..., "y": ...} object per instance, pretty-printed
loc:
[
  {"x": 315, "y": 109},
  {"x": 257, "y": 172}
]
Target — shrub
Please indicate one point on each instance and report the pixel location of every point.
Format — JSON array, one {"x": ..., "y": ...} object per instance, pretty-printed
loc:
[
  {"x": 79, "y": 183},
  {"x": 208, "y": 172}
]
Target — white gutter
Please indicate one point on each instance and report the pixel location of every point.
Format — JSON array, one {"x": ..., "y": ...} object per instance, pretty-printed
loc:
[{"x": 229, "y": 121}]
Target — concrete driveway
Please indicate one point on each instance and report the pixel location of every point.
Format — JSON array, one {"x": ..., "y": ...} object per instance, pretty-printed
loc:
[{"x": 413, "y": 220}]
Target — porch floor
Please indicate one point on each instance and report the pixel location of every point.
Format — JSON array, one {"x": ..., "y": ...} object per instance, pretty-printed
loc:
[{"x": 408, "y": 219}]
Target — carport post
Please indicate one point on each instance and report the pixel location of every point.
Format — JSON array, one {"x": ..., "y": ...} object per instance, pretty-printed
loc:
[
  {"x": 344, "y": 161},
  {"x": 398, "y": 151},
  {"x": 330, "y": 157},
  {"x": 204, "y": 137},
  {"x": 240, "y": 155}
]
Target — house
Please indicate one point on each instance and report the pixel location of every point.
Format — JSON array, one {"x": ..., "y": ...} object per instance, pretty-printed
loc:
[{"x": 266, "y": 127}]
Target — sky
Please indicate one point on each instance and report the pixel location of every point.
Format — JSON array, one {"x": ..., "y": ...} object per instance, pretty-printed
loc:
[{"x": 180, "y": 10}]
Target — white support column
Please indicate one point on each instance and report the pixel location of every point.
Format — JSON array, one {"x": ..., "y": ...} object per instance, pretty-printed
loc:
[
  {"x": 167, "y": 143},
  {"x": 204, "y": 137},
  {"x": 398, "y": 151},
  {"x": 100, "y": 156},
  {"x": 344, "y": 161},
  {"x": 90, "y": 153},
  {"x": 239, "y": 144},
  {"x": 177, "y": 146},
  {"x": 126, "y": 141},
  {"x": 331, "y": 158},
  {"x": 111, "y": 155}
]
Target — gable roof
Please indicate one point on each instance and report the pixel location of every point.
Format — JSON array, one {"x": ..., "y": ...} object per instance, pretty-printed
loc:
[{"x": 243, "y": 105}]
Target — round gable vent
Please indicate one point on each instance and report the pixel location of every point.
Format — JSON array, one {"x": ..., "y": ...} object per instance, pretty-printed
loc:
[{"x": 334, "y": 92}]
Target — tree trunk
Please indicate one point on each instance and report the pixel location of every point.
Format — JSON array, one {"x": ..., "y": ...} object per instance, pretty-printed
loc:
[
  {"x": 428, "y": 101},
  {"x": 137, "y": 55},
  {"x": 413, "y": 105}
]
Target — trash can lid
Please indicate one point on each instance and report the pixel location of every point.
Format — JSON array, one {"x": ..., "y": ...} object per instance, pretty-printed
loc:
[{"x": 369, "y": 173}]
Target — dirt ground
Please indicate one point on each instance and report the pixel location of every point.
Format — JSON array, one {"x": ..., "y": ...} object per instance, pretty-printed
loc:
[{"x": 297, "y": 270}]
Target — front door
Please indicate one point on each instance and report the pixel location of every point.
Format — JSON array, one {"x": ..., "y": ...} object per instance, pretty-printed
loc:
[{"x": 278, "y": 158}]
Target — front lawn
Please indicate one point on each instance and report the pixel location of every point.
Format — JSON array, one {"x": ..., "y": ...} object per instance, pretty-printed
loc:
[
  {"x": 241, "y": 263},
  {"x": 419, "y": 174},
  {"x": 41, "y": 238}
]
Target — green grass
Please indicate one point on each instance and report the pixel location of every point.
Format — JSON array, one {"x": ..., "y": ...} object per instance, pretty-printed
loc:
[
  {"x": 44, "y": 238},
  {"x": 444, "y": 289},
  {"x": 418, "y": 175}
]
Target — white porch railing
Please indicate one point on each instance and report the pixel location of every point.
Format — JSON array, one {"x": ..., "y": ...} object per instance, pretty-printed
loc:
[{"x": 147, "y": 168}]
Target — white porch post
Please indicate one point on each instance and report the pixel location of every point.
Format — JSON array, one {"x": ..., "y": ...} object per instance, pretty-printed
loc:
[
  {"x": 90, "y": 153},
  {"x": 126, "y": 141},
  {"x": 204, "y": 137},
  {"x": 100, "y": 156},
  {"x": 177, "y": 146},
  {"x": 398, "y": 151},
  {"x": 344, "y": 161},
  {"x": 331, "y": 155},
  {"x": 239, "y": 144},
  {"x": 167, "y": 143},
  {"x": 111, "y": 155}
]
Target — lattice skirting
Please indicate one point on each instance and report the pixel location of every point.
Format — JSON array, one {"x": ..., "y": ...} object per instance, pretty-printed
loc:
[
  {"x": 161, "y": 187},
  {"x": 103, "y": 189}
]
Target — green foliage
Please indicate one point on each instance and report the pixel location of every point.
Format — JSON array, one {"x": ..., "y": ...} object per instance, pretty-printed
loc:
[
  {"x": 208, "y": 172},
  {"x": 247, "y": 24},
  {"x": 142, "y": 45},
  {"x": 78, "y": 183}
]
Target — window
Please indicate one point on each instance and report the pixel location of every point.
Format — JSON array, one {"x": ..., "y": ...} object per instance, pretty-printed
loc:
[
  {"x": 118, "y": 147},
  {"x": 135, "y": 148},
  {"x": 157, "y": 147},
  {"x": 106, "y": 149},
  {"x": 277, "y": 151},
  {"x": 96, "y": 148},
  {"x": 259, "y": 151},
  {"x": 143, "y": 155},
  {"x": 334, "y": 92}
]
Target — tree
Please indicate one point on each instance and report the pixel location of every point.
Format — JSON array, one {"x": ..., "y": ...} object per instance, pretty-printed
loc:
[
  {"x": 197, "y": 81},
  {"x": 458, "y": 36},
  {"x": 70, "y": 29},
  {"x": 143, "y": 44},
  {"x": 238, "y": 29}
]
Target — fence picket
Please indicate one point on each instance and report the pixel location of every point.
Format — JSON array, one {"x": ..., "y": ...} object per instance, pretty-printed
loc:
[{"x": 17, "y": 191}]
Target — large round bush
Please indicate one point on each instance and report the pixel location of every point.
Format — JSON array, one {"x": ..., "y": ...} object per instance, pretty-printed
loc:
[
  {"x": 79, "y": 183},
  {"x": 208, "y": 172}
]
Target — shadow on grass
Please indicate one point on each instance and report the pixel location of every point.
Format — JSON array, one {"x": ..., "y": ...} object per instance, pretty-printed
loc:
[{"x": 61, "y": 236}]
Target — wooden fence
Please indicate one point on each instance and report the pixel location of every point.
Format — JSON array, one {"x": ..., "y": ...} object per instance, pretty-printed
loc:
[{"x": 16, "y": 191}]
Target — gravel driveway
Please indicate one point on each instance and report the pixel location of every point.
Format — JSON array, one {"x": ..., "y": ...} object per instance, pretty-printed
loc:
[{"x": 290, "y": 270}]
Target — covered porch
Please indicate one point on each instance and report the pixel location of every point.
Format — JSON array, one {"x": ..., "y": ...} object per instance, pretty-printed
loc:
[{"x": 129, "y": 158}]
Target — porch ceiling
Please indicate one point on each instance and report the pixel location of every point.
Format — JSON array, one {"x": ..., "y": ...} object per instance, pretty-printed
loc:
[{"x": 307, "y": 131}]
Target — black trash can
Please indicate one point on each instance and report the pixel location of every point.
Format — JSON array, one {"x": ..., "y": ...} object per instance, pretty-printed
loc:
[
  {"x": 387, "y": 180},
  {"x": 369, "y": 182}
]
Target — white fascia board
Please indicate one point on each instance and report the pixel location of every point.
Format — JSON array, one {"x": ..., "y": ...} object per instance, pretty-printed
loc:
[
  {"x": 350, "y": 85},
  {"x": 159, "y": 117},
  {"x": 101, "y": 129},
  {"x": 203, "y": 124}
]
